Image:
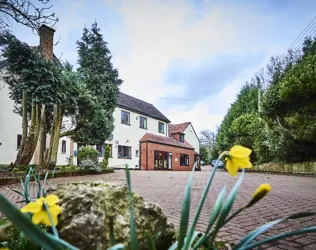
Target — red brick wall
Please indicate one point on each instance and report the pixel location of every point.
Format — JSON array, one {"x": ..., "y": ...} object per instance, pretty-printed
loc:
[
  {"x": 176, "y": 151},
  {"x": 47, "y": 41},
  {"x": 176, "y": 136}
]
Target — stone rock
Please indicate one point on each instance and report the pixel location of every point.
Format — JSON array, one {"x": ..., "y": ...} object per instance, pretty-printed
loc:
[{"x": 89, "y": 208}]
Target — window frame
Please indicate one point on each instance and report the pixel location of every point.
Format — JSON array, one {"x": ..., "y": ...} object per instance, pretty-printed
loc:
[
  {"x": 188, "y": 159},
  {"x": 63, "y": 146},
  {"x": 101, "y": 153},
  {"x": 145, "y": 119},
  {"x": 163, "y": 126},
  {"x": 129, "y": 117},
  {"x": 181, "y": 136},
  {"x": 118, "y": 154}
]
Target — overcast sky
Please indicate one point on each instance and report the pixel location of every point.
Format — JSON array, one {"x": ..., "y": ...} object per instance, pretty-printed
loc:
[{"x": 166, "y": 51}]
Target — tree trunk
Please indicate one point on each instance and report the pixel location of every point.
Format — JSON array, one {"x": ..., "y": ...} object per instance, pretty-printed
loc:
[
  {"x": 24, "y": 125},
  {"x": 42, "y": 150},
  {"x": 51, "y": 159},
  {"x": 25, "y": 156}
]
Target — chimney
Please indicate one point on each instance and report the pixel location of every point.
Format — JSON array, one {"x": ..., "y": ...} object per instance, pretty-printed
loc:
[{"x": 46, "y": 35}]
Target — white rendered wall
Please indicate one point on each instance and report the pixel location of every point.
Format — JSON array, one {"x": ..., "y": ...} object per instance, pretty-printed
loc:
[
  {"x": 10, "y": 127},
  {"x": 129, "y": 135},
  {"x": 192, "y": 138}
]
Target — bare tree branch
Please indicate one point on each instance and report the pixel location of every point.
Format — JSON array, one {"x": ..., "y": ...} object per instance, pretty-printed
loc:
[{"x": 26, "y": 13}]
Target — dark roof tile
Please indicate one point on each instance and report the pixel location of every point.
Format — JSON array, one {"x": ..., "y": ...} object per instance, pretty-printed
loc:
[{"x": 139, "y": 106}]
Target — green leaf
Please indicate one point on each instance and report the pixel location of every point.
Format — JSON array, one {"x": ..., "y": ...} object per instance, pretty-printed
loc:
[
  {"x": 185, "y": 212},
  {"x": 228, "y": 205},
  {"x": 173, "y": 246},
  {"x": 38, "y": 183},
  {"x": 16, "y": 191},
  {"x": 195, "y": 235},
  {"x": 26, "y": 225},
  {"x": 44, "y": 183},
  {"x": 157, "y": 236},
  {"x": 51, "y": 220},
  {"x": 255, "y": 233},
  {"x": 117, "y": 247},
  {"x": 26, "y": 184},
  {"x": 215, "y": 213},
  {"x": 150, "y": 241},
  {"x": 134, "y": 242},
  {"x": 280, "y": 236},
  {"x": 200, "y": 206}
]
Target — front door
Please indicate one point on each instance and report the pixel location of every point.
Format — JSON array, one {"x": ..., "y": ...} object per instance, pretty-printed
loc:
[
  {"x": 161, "y": 161},
  {"x": 197, "y": 161}
]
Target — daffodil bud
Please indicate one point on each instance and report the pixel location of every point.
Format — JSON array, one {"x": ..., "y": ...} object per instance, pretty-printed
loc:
[{"x": 261, "y": 192}]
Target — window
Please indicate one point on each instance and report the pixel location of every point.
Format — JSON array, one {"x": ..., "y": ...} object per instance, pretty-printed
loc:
[
  {"x": 161, "y": 127},
  {"x": 63, "y": 146},
  {"x": 161, "y": 160},
  {"x": 181, "y": 137},
  {"x": 137, "y": 153},
  {"x": 124, "y": 152},
  {"x": 100, "y": 148},
  {"x": 19, "y": 139},
  {"x": 184, "y": 160},
  {"x": 125, "y": 117},
  {"x": 143, "y": 122}
]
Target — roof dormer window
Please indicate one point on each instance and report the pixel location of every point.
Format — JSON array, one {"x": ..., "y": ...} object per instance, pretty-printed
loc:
[{"x": 181, "y": 138}]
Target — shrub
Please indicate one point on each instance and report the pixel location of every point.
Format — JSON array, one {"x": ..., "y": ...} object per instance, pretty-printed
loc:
[
  {"x": 68, "y": 168},
  {"x": 107, "y": 153},
  {"x": 21, "y": 168},
  {"x": 70, "y": 160},
  {"x": 89, "y": 165},
  {"x": 85, "y": 153},
  {"x": 5, "y": 166}
]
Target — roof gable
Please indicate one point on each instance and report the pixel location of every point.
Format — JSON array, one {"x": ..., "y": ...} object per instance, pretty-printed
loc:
[
  {"x": 139, "y": 106},
  {"x": 177, "y": 128}
]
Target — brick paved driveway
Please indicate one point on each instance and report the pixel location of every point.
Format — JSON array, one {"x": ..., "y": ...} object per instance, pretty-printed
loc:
[{"x": 289, "y": 194}]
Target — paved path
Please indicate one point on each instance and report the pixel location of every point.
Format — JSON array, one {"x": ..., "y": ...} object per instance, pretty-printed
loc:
[{"x": 290, "y": 194}]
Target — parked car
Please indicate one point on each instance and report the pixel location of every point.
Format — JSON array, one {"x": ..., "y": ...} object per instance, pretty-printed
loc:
[
  {"x": 220, "y": 164},
  {"x": 202, "y": 163}
]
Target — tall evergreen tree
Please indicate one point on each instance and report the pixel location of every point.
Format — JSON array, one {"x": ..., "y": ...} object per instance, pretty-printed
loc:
[{"x": 102, "y": 79}]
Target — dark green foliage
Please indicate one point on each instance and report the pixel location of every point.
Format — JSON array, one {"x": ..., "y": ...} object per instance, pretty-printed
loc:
[
  {"x": 29, "y": 70},
  {"x": 107, "y": 153},
  {"x": 285, "y": 128},
  {"x": 205, "y": 155},
  {"x": 102, "y": 80},
  {"x": 15, "y": 239},
  {"x": 246, "y": 103},
  {"x": 22, "y": 168},
  {"x": 88, "y": 153}
]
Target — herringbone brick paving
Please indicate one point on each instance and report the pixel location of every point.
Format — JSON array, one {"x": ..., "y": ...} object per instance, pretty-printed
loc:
[{"x": 290, "y": 194}]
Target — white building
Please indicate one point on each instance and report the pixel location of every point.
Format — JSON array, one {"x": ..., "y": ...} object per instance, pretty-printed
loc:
[{"x": 133, "y": 119}]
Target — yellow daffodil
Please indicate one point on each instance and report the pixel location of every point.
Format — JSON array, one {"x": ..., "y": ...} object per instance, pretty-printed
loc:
[
  {"x": 40, "y": 216},
  {"x": 238, "y": 157},
  {"x": 261, "y": 192}
]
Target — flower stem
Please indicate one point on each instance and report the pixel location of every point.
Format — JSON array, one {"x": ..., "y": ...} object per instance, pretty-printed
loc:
[{"x": 51, "y": 220}]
